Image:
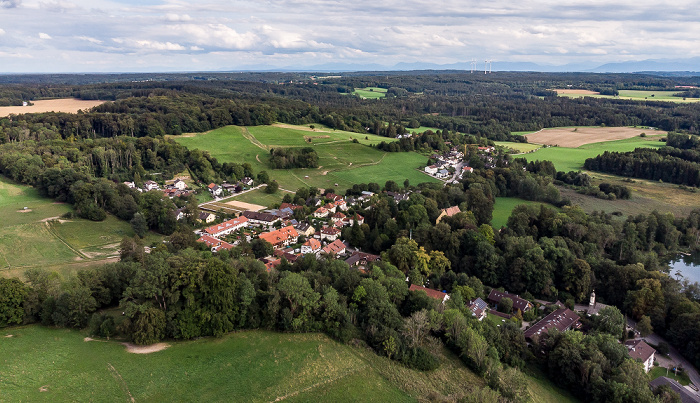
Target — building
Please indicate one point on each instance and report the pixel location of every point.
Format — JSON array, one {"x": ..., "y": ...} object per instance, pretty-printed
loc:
[
  {"x": 247, "y": 181},
  {"x": 150, "y": 185},
  {"x": 520, "y": 304},
  {"x": 431, "y": 169},
  {"x": 438, "y": 295},
  {"x": 336, "y": 247},
  {"x": 180, "y": 213},
  {"x": 206, "y": 217},
  {"x": 443, "y": 173},
  {"x": 214, "y": 244},
  {"x": 282, "y": 237},
  {"x": 478, "y": 308},
  {"x": 330, "y": 233},
  {"x": 641, "y": 351},
  {"x": 562, "y": 319},
  {"x": 227, "y": 227},
  {"x": 305, "y": 229},
  {"x": 361, "y": 259},
  {"x": 321, "y": 212},
  {"x": 447, "y": 212},
  {"x": 686, "y": 395},
  {"x": 260, "y": 219},
  {"x": 311, "y": 246},
  {"x": 179, "y": 184}
]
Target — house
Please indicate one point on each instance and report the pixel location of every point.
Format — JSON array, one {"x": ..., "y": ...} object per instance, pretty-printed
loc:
[
  {"x": 214, "y": 189},
  {"x": 180, "y": 184},
  {"x": 439, "y": 295},
  {"x": 336, "y": 247},
  {"x": 214, "y": 244},
  {"x": 431, "y": 169},
  {"x": 686, "y": 395},
  {"x": 260, "y": 219},
  {"x": 321, "y": 212},
  {"x": 150, "y": 185},
  {"x": 330, "y": 207},
  {"x": 206, "y": 217},
  {"x": 467, "y": 169},
  {"x": 282, "y": 237},
  {"x": 361, "y": 259},
  {"x": 131, "y": 185},
  {"x": 487, "y": 149},
  {"x": 180, "y": 213},
  {"x": 399, "y": 196},
  {"x": 562, "y": 319},
  {"x": 247, "y": 181},
  {"x": 338, "y": 217},
  {"x": 351, "y": 220},
  {"x": 311, "y": 246},
  {"x": 227, "y": 227},
  {"x": 478, "y": 308},
  {"x": 270, "y": 262},
  {"x": 640, "y": 350},
  {"x": 340, "y": 205},
  {"x": 447, "y": 212},
  {"x": 290, "y": 206},
  {"x": 329, "y": 233},
  {"x": 520, "y": 304},
  {"x": 305, "y": 229},
  {"x": 333, "y": 197},
  {"x": 443, "y": 173},
  {"x": 290, "y": 257}
]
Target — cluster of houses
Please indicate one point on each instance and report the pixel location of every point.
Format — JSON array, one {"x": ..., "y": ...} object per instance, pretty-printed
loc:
[
  {"x": 229, "y": 188},
  {"x": 178, "y": 188},
  {"x": 444, "y": 163}
]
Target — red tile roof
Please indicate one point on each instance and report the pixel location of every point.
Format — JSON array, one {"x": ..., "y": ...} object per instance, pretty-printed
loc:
[
  {"x": 279, "y": 236},
  {"x": 334, "y": 247},
  {"x": 638, "y": 349},
  {"x": 431, "y": 293},
  {"x": 215, "y": 229}
]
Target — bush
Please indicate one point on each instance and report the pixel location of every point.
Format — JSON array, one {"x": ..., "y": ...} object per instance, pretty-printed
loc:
[{"x": 420, "y": 359}]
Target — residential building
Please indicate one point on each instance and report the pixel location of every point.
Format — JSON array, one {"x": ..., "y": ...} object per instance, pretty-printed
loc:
[
  {"x": 321, "y": 212},
  {"x": 247, "y": 181},
  {"x": 640, "y": 350},
  {"x": 227, "y": 227},
  {"x": 443, "y": 173},
  {"x": 305, "y": 229},
  {"x": 478, "y": 308},
  {"x": 282, "y": 237},
  {"x": 431, "y": 169},
  {"x": 336, "y": 247},
  {"x": 179, "y": 184},
  {"x": 447, "y": 212},
  {"x": 206, "y": 217},
  {"x": 311, "y": 246},
  {"x": 562, "y": 319},
  {"x": 520, "y": 304},
  {"x": 329, "y": 234},
  {"x": 180, "y": 213},
  {"x": 260, "y": 219},
  {"x": 214, "y": 244},
  {"x": 438, "y": 295},
  {"x": 150, "y": 185},
  {"x": 361, "y": 259}
]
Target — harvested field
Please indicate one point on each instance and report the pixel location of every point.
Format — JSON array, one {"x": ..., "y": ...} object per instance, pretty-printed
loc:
[
  {"x": 219, "y": 206},
  {"x": 51, "y": 105},
  {"x": 577, "y": 92},
  {"x": 245, "y": 206},
  {"x": 577, "y": 136}
]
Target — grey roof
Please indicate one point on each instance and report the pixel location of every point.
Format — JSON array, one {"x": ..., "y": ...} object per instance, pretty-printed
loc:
[
  {"x": 686, "y": 395},
  {"x": 518, "y": 303},
  {"x": 562, "y": 319},
  {"x": 480, "y": 303}
]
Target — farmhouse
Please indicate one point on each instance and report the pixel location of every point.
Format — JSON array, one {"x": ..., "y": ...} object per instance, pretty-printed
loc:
[
  {"x": 282, "y": 237},
  {"x": 335, "y": 248},
  {"x": 311, "y": 246},
  {"x": 438, "y": 295},
  {"x": 447, "y": 212},
  {"x": 640, "y": 350},
  {"x": 562, "y": 319},
  {"x": 520, "y": 304},
  {"x": 227, "y": 227}
]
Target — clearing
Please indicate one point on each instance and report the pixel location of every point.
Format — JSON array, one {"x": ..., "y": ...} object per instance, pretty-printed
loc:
[
  {"x": 504, "y": 206},
  {"x": 577, "y": 136},
  {"x": 68, "y": 105},
  {"x": 370, "y": 92},
  {"x": 631, "y": 95},
  {"x": 255, "y": 366}
]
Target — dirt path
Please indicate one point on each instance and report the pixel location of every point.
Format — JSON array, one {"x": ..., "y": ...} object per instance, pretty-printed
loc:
[
  {"x": 246, "y": 133},
  {"x": 153, "y": 348},
  {"x": 120, "y": 380},
  {"x": 326, "y": 382},
  {"x": 52, "y": 232}
]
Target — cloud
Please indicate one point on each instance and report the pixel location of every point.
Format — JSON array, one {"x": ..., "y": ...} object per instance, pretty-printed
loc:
[
  {"x": 10, "y": 3},
  {"x": 44, "y": 36},
  {"x": 148, "y": 44},
  {"x": 89, "y": 39},
  {"x": 219, "y": 36},
  {"x": 171, "y": 17},
  {"x": 58, "y": 6},
  {"x": 2, "y": 31}
]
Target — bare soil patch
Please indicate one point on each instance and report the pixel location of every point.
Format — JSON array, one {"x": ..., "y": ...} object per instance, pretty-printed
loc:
[
  {"x": 153, "y": 348},
  {"x": 577, "y": 136},
  {"x": 25, "y": 211},
  {"x": 578, "y": 92},
  {"x": 245, "y": 206},
  {"x": 51, "y": 105}
]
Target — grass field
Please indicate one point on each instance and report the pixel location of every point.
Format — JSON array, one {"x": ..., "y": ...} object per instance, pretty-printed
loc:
[
  {"x": 422, "y": 129},
  {"x": 572, "y": 159},
  {"x": 661, "y": 371},
  {"x": 505, "y": 205},
  {"x": 636, "y": 95},
  {"x": 518, "y": 147},
  {"x": 258, "y": 196},
  {"x": 341, "y": 161},
  {"x": 370, "y": 92},
  {"x": 30, "y": 239},
  {"x": 44, "y": 364}
]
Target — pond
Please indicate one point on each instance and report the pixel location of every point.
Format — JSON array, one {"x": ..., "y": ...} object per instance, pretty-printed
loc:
[{"x": 687, "y": 266}]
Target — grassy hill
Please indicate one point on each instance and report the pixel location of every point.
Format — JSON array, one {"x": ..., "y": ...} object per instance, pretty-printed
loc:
[
  {"x": 341, "y": 160},
  {"x": 42, "y": 364}
]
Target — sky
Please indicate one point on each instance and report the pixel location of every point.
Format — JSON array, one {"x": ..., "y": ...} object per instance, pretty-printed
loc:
[{"x": 210, "y": 35}]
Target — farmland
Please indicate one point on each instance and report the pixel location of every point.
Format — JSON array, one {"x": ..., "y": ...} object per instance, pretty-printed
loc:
[
  {"x": 633, "y": 95},
  {"x": 573, "y": 137},
  {"x": 49, "y": 364},
  {"x": 518, "y": 147},
  {"x": 50, "y": 105},
  {"x": 341, "y": 161},
  {"x": 31, "y": 238},
  {"x": 370, "y": 92}
]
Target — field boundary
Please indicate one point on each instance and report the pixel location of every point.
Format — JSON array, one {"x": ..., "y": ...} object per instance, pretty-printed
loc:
[
  {"x": 120, "y": 380},
  {"x": 326, "y": 382},
  {"x": 248, "y": 135},
  {"x": 52, "y": 232}
]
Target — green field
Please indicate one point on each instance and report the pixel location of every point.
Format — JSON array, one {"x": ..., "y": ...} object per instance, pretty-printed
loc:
[
  {"x": 505, "y": 205},
  {"x": 341, "y": 161},
  {"x": 522, "y": 133},
  {"x": 518, "y": 147},
  {"x": 46, "y": 364},
  {"x": 29, "y": 239},
  {"x": 259, "y": 196},
  {"x": 370, "y": 92},
  {"x": 638, "y": 95},
  {"x": 661, "y": 371},
  {"x": 572, "y": 159},
  {"x": 422, "y": 129}
]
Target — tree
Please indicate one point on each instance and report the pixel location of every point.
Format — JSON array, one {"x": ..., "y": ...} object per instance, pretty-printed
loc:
[
  {"x": 149, "y": 326},
  {"x": 272, "y": 187},
  {"x": 644, "y": 326},
  {"x": 505, "y": 305},
  {"x": 302, "y": 299},
  {"x": 261, "y": 248},
  {"x": 610, "y": 320},
  {"x": 12, "y": 295}
]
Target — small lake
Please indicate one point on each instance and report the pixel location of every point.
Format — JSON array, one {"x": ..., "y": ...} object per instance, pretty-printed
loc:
[{"x": 687, "y": 265}]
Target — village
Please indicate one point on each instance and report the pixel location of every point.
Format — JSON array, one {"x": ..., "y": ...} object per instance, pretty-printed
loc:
[{"x": 452, "y": 165}]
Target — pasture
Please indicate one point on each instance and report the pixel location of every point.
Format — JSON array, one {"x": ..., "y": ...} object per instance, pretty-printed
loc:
[
  {"x": 504, "y": 206},
  {"x": 578, "y": 136},
  {"x": 370, "y": 92},
  {"x": 518, "y": 147},
  {"x": 44, "y": 364},
  {"x": 341, "y": 161},
  {"x": 68, "y": 105},
  {"x": 572, "y": 159},
  {"x": 632, "y": 95}
]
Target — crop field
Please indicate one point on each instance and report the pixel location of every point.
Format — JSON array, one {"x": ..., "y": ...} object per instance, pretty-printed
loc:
[
  {"x": 519, "y": 147},
  {"x": 572, "y": 159},
  {"x": 45, "y": 364},
  {"x": 51, "y": 105},
  {"x": 504, "y": 206},
  {"x": 341, "y": 161},
  {"x": 633, "y": 95},
  {"x": 32, "y": 238},
  {"x": 578, "y": 136},
  {"x": 370, "y": 92}
]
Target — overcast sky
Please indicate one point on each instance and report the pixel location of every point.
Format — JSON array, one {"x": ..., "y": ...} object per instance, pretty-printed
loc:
[{"x": 155, "y": 35}]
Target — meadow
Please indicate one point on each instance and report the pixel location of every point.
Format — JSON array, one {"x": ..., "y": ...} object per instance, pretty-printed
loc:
[
  {"x": 634, "y": 95},
  {"x": 370, "y": 92},
  {"x": 45, "y": 364},
  {"x": 504, "y": 206},
  {"x": 341, "y": 161},
  {"x": 36, "y": 238},
  {"x": 518, "y": 147}
]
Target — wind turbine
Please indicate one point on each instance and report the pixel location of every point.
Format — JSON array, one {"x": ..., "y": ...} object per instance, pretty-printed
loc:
[
  {"x": 487, "y": 66},
  {"x": 473, "y": 65}
]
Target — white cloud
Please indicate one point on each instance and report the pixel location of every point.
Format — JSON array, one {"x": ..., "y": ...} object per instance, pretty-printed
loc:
[
  {"x": 155, "y": 45},
  {"x": 10, "y": 3},
  {"x": 89, "y": 39},
  {"x": 172, "y": 17},
  {"x": 44, "y": 36},
  {"x": 219, "y": 36},
  {"x": 2, "y": 31},
  {"x": 58, "y": 6}
]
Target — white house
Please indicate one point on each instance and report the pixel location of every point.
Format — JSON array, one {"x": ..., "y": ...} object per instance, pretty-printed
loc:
[
  {"x": 150, "y": 185},
  {"x": 311, "y": 246},
  {"x": 639, "y": 350},
  {"x": 180, "y": 184},
  {"x": 431, "y": 169}
]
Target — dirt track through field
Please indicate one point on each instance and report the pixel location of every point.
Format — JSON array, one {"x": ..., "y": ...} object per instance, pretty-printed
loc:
[
  {"x": 51, "y": 105},
  {"x": 577, "y": 136}
]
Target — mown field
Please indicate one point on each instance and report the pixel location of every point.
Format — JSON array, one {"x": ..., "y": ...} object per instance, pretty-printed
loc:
[
  {"x": 370, "y": 92},
  {"x": 505, "y": 205},
  {"x": 637, "y": 95},
  {"x": 341, "y": 161},
  {"x": 43, "y": 364},
  {"x": 29, "y": 238},
  {"x": 518, "y": 147}
]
